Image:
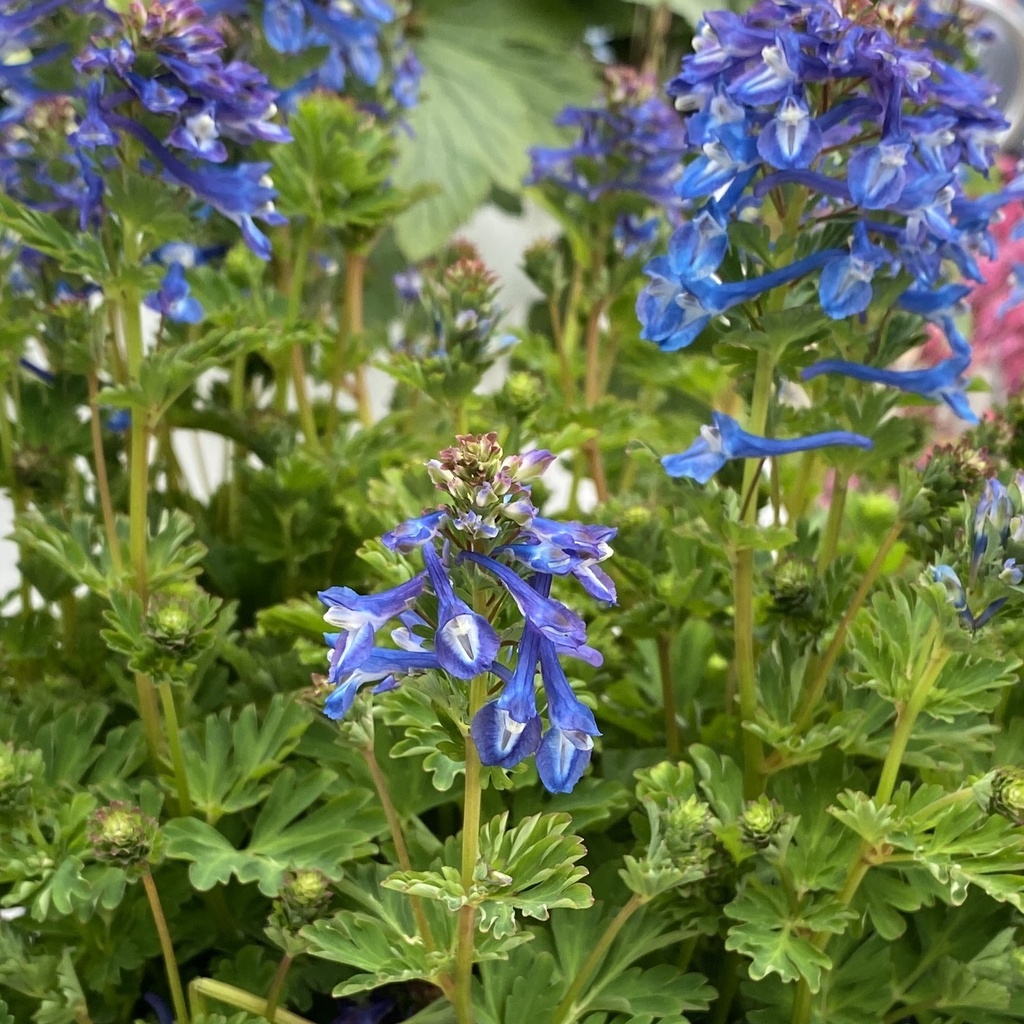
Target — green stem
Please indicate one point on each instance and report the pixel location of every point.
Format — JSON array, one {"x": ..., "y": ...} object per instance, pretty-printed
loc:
[
  {"x": 466, "y": 934},
  {"x": 823, "y": 666},
  {"x": 566, "y": 1009},
  {"x": 668, "y": 695},
  {"x": 743, "y": 591},
  {"x": 571, "y": 320},
  {"x": 300, "y": 264},
  {"x": 350, "y": 328},
  {"x": 276, "y": 987},
  {"x": 906, "y": 717},
  {"x": 568, "y": 383},
  {"x": 398, "y": 839},
  {"x": 834, "y": 524},
  {"x": 202, "y": 989},
  {"x": 592, "y": 395},
  {"x": 174, "y": 747},
  {"x": 129, "y": 318},
  {"x": 167, "y": 948},
  {"x": 237, "y": 452}
]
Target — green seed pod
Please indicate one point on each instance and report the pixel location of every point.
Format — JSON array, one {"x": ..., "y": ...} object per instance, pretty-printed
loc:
[
  {"x": 1008, "y": 793},
  {"x": 761, "y": 821}
]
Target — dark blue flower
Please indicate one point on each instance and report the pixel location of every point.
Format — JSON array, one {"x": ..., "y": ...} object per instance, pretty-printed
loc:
[
  {"x": 845, "y": 284},
  {"x": 379, "y": 665},
  {"x": 726, "y": 440}
]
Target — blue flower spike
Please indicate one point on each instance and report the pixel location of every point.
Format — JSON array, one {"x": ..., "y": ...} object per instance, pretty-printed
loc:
[{"x": 488, "y": 515}]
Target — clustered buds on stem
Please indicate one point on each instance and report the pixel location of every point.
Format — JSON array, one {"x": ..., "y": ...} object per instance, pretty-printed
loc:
[{"x": 1008, "y": 793}]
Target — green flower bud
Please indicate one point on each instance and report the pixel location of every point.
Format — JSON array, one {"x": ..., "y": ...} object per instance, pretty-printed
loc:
[
  {"x": 524, "y": 392},
  {"x": 542, "y": 264},
  {"x": 1008, "y": 793},
  {"x": 794, "y": 587},
  {"x": 761, "y": 821},
  {"x": 122, "y": 833},
  {"x": 303, "y": 898},
  {"x": 636, "y": 517}
]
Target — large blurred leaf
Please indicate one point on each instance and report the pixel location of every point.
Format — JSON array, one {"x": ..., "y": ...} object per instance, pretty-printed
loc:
[{"x": 497, "y": 72}]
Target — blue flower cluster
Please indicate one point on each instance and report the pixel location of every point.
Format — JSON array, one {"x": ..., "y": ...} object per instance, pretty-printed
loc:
[
  {"x": 353, "y": 35},
  {"x": 165, "y": 63},
  {"x": 490, "y": 523},
  {"x": 630, "y": 145},
  {"x": 996, "y": 550},
  {"x": 835, "y": 118}
]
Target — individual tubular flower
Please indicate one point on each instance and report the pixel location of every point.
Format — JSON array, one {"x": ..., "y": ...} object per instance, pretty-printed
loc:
[
  {"x": 726, "y": 440},
  {"x": 559, "y": 625},
  {"x": 508, "y": 730},
  {"x": 465, "y": 642},
  {"x": 565, "y": 749}
]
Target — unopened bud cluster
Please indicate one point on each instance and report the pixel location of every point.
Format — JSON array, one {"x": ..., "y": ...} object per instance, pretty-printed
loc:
[
  {"x": 303, "y": 898},
  {"x": 761, "y": 821},
  {"x": 488, "y": 489}
]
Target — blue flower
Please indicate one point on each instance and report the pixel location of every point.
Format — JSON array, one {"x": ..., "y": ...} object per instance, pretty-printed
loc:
[
  {"x": 726, "y": 440},
  {"x": 556, "y": 623},
  {"x": 508, "y": 730},
  {"x": 560, "y": 548},
  {"x": 349, "y": 610},
  {"x": 465, "y": 642},
  {"x": 791, "y": 138},
  {"x": 414, "y": 533},
  {"x": 877, "y": 175},
  {"x": 380, "y": 665},
  {"x": 943, "y": 381},
  {"x": 845, "y": 284},
  {"x": 173, "y": 300},
  {"x": 240, "y": 193},
  {"x": 565, "y": 749}
]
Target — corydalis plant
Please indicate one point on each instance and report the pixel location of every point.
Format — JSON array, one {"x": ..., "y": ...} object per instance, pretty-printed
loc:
[{"x": 486, "y": 551}]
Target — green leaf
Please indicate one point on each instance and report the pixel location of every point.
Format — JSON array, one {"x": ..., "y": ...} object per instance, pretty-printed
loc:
[
  {"x": 227, "y": 764},
  {"x": 774, "y": 934},
  {"x": 530, "y": 869},
  {"x": 496, "y": 74},
  {"x": 80, "y": 254},
  {"x": 338, "y": 831}
]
